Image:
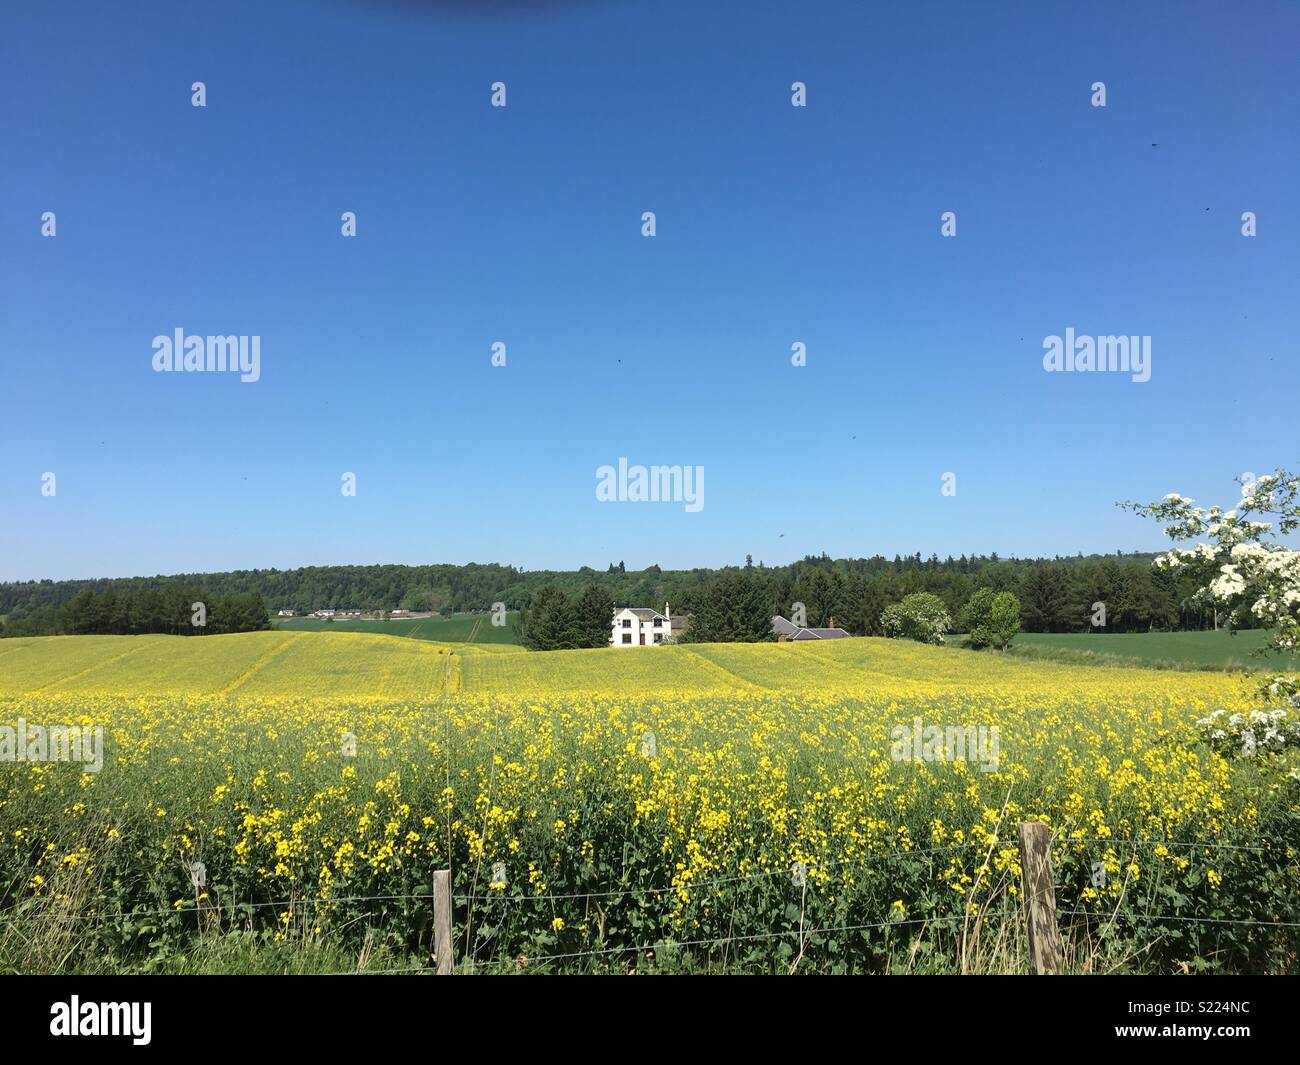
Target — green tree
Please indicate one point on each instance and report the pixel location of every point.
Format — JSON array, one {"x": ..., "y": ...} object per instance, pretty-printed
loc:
[
  {"x": 83, "y": 614},
  {"x": 549, "y": 623},
  {"x": 974, "y": 617},
  {"x": 733, "y": 609},
  {"x": 1045, "y": 599},
  {"x": 146, "y": 611},
  {"x": 594, "y": 613},
  {"x": 818, "y": 590},
  {"x": 422, "y": 599},
  {"x": 863, "y": 602},
  {"x": 1004, "y": 620}
]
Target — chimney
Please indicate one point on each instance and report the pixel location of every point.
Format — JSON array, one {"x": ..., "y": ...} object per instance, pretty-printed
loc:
[
  {"x": 668, "y": 612},
  {"x": 832, "y": 624}
]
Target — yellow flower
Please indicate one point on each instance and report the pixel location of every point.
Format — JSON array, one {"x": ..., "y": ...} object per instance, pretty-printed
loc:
[{"x": 765, "y": 755}]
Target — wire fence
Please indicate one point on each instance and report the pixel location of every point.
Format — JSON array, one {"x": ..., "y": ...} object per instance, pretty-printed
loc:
[{"x": 802, "y": 880}]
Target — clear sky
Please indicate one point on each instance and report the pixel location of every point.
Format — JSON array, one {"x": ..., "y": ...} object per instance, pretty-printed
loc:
[{"x": 522, "y": 224}]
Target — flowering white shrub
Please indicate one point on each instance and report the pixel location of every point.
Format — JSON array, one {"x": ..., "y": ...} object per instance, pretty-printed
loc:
[
  {"x": 1241, "y": 567},
  {"x": 920, "y": 616},
  {"x": 1252, "y": 733}
]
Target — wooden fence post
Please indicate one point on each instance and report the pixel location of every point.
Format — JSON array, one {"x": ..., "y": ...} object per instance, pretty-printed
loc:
[
  {"x": 1040, "y": 897},
  {"x": 442, "y": 949}
]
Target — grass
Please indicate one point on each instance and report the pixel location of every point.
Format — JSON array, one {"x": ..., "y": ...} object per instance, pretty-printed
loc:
[
  {"x": 456, "y": 628},
  {"x": 1219, "y": 650},
  {"x": 1001, "y": 951},
  {"x": 25, "y": 944}
]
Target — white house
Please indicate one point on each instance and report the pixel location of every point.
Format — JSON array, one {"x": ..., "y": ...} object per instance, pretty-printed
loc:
[{"x": 639, "y": 626}]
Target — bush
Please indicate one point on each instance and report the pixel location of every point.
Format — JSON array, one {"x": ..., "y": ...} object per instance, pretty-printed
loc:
[
  {"x": 975, "y": 614},
  {"x": 992, "y": 620},
  {"x": 921, "y": 616}
]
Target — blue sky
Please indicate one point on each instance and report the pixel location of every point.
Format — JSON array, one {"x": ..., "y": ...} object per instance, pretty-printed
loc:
[{"x": 523, "y": 224}]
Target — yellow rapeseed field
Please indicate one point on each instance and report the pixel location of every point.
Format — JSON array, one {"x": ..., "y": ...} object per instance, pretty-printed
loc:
[{"x": 594, "y": 799}]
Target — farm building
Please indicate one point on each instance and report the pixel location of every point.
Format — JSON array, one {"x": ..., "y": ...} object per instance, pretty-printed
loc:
[
  {"x": 787, "y": 630},
  {"x": 639, "y": 626}
]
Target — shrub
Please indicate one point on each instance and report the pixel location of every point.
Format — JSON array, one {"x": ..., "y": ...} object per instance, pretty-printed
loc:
[
  {"x": 991, "y": 620},
  {"x": 975, "y": 615},
  {"x": 921, "y": 616}
]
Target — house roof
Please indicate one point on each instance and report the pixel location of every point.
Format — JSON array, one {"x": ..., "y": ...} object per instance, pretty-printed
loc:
[
  {"x": 782, "y": 627},
  {"x": 644, "y": 612},
  {"x": 818, "y": 634}
]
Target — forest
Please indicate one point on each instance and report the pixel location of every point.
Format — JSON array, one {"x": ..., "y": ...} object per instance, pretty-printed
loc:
[
  {"x": 1056, "y": 595},
  {"x": 133, "y": 611}
]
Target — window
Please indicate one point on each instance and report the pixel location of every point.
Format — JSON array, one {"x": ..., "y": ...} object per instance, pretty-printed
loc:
[
  {"x": 627, "y": 623},
  {"x": 659, "y": 622},
  {"x": 627, "y": 637}
]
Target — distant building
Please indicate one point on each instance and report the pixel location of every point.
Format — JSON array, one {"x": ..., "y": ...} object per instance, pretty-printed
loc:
[
  {"x": 287, "y": 613},
  {"x": 783, "y": 628},
  {"x": 787, "y": 631},
  {"x": 350, "y": 613},
  {"x": 640, "y": 626},
  {"x": 399, "y": 613},
  {"x": 324, "y": 613}
]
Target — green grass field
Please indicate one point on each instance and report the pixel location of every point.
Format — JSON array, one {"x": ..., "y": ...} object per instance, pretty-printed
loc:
[
  {"x": 458, "y": 628},
  {"x": 1188, "y": 650}
]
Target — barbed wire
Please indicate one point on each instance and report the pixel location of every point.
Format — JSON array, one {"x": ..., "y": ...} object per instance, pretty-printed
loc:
[
  {"x": 630, "y": 890},
  {"x": 218, "y": 907},
  {"x": 1194, "y": 845},
  {"x": 687, "y": 886},
  {"x": 758, "y": 875},
  {"x": 1124, "y": 916},
  {"x": 523, "y": 961},
  {"x": 672, "y": 944}
]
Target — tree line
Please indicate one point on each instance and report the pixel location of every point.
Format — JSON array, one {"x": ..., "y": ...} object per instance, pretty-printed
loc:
[
  {"x": 1056, "y": 595},
  {"x": 136, "y": 611},
  {"x": 990, "y": 603},
  {"x": 1098, "y": 594}
]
